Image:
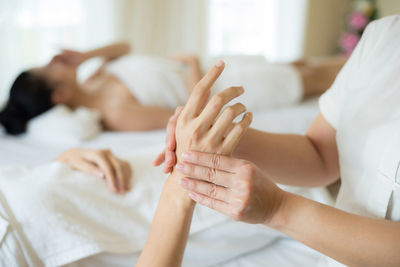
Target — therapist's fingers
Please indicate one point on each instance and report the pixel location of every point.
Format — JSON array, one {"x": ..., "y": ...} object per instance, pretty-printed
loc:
[
  {"x": 201, "y": 91},
  {"x": 212, "y": 203},
  {"x": 207, "y": 174},
  {"x": 216, "y": 103},
  {"x": 215, "y": 161},
  {"x": 159, "y": 159},
  {"x": 235, "y": 135},
  {"x": 207, "y": 189},
  {"x": 225, "y": 120},
  {"x": 170, "y": 163}
]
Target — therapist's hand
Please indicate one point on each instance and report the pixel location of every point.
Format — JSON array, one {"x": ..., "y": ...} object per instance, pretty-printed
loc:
[
  {"x": 234, "y": 187},
  {"x": 102, "y": 164}
]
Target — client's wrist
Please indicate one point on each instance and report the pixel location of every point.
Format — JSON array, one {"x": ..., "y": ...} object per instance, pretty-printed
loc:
[{"x": 175, "y": 192}]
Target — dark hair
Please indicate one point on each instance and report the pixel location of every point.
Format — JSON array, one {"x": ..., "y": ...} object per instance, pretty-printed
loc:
[{"x": 30, "y": 95}]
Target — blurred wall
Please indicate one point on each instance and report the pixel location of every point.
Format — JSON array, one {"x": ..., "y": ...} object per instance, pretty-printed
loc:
[
  {"x": 326, "y": 21},
  {"x": 324, "y": 24},
  {"x": 388, "y": 7}
]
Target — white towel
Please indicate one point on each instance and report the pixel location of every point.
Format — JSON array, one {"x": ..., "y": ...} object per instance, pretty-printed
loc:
[
  {"x": 153, "y": 81},
  {"x": 66, "y": 215},
  {"x": 267, "y": 85}
]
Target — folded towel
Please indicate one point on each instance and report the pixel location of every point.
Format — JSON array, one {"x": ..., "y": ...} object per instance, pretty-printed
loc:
[
  {"x": 65, "y": 215},
  {"x": 63, "y": 125}
]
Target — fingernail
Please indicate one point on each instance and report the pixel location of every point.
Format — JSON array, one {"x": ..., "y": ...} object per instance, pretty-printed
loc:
[
  {"x": 219, "y": 63},
  {"x": 186, "y": 155},
  {"x": 241, "y": 89},
  {"x": 184, "y": 182},
  {"x": 180, "y": 166},
  {"x": 194, "y": 196}
]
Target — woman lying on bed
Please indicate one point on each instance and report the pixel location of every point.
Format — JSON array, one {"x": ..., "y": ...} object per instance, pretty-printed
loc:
[
  {"x": 136, "y": 93},
  {"x": 356, "y": 138}
]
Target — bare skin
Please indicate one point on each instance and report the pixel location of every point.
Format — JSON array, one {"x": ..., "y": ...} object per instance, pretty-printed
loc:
[
  {"x": 102, "y": 164},
  {"x": 171, "y": 223},
  {"x": 120, "y": 110},
  {"x": 244, "y": 188}
]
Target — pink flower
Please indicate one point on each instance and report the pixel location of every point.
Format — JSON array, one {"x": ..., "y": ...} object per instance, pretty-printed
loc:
[
  {"x": 348, "y": 42},
  {"x": 358, "y": 21}
]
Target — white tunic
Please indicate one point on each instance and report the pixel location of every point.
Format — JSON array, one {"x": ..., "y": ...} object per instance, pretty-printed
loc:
[{"x": 363, "y": 106}]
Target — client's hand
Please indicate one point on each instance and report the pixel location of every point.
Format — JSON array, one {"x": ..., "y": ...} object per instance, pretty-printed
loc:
[
  {"x": 102, "y": 164},
  {"x": 198, "y": 126},
  {"x": 204, "y": 123}
]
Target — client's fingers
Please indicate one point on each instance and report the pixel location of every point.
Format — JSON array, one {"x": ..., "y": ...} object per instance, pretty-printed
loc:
[
  {"x": 215, "y": 105},
  {"x": 212, "y": 203},
  {"x": 225, "y": 121},
  {"x": 159, "y": 159},
  {"x": 170, "y": 162},
  {"x": 119, "y": 174},
  {"x": 200, "y": 91},
  {"x": 170, "y": 138},
  {"x": 232, "y": 139},
  {"x": 101, "y": 160},
  {"x": 208, "y": 189},
  {"x": 127, "y": 174},
  {"x": 87, "y": 167}
]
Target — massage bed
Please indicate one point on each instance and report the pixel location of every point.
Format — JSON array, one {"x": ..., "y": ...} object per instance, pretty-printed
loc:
[{"x": 215, "y": 240}]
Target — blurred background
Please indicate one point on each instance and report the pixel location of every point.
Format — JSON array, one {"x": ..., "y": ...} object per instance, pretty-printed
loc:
[{"x": 32, "y": 31}]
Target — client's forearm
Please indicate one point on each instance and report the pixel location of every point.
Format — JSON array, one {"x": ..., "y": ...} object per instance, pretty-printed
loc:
[
  {"x": 169, "y": 231},
  {"x": 110, "y": 52},
  {"x": 287, "y": 158}
]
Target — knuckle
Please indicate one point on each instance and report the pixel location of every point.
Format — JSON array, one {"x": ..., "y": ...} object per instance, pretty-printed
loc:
[
  {"x": 248, "y": 169},
  {"x": 211, "y": 174},
  {"x": 230, "y": 112},
  {"x": 104, "y": 152},
  {"x": 218, "y": 101},
  {"x": 212, "y": 191},
  {"x": 216, "y": 161},
  {"x": 212, "y": 203}
]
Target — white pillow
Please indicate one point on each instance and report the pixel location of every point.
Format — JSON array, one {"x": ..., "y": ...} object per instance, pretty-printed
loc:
[{"x": 63, "y": 125}]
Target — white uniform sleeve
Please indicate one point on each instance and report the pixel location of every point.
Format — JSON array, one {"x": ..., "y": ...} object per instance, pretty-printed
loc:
[{"x": 330, "y": 101}]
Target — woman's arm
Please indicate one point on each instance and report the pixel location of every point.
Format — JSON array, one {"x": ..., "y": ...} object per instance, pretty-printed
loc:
[
  {"x": 197, "y": 129},
  {"x": 350, "y": 239},
  {"x": 169, "y": 231},
  {"x": 240, "y": 190},
  {"x": 300, "y": 160},
  {"x": 110, "y": 52},
  {"x": 310, "y": 160}
]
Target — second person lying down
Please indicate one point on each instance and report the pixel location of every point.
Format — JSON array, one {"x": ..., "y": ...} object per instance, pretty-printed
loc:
[{"x": 136, "y": 92}]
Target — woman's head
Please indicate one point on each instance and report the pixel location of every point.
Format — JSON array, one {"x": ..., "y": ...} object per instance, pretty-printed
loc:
[
  {"x": 36, "y": 91},
  {"x": 30, "y": 95}
]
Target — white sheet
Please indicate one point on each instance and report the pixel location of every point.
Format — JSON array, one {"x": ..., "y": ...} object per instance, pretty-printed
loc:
[{"x": 228, "y": 240}]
